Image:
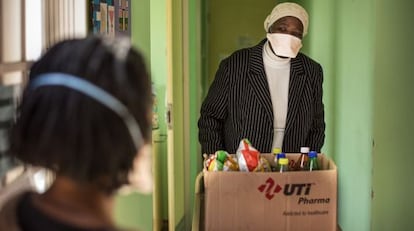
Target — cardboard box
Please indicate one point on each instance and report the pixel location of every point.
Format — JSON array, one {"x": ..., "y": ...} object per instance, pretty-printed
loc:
[{"x": 269, "y": 200}]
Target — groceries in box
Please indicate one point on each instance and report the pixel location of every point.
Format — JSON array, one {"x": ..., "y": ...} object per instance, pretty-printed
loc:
[
  {"x": 256, "y": 198},
  {"x": 248, "y": 159}
]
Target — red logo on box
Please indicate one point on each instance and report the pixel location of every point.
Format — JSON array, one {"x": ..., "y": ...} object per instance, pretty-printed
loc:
[{"x": 270, "y": 188}]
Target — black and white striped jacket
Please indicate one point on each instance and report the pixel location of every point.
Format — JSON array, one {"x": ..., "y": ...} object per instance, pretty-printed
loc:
[{"x": 238, "y": 105}]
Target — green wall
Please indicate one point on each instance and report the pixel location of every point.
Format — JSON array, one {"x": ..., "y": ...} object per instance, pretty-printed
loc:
[
  {"x": 148, "y": 34},
  {"x": 194, "y": 33},
  {"x": 140, "y": 31},
  {"x": 158, "y": 33},
  {"x": 159, "y": 76},
  {"x": 178, "y": 163},
  {"x": 341, "y": 39},
  {"x": 135, "y": 210},
  {"x": 353, "y": 111},
  {"x": 393, "y": 158}
]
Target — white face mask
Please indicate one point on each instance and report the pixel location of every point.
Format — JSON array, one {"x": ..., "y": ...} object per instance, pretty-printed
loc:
[
  {"x": 285, "y": 45},
  {"x": 140, "y": 177}
]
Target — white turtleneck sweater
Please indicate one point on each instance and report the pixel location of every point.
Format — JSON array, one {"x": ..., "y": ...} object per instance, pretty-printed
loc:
[{"x": 278, "y": 73}]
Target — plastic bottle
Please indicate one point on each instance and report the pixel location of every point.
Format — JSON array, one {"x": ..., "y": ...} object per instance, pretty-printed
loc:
[
  {"x": 313, "y": 161},
  {"x": 276, "y": 152},
  {"x": 303, "y": 159},
  {"x": 277, "y": 158},
  {"x": 283, "y": 165}
]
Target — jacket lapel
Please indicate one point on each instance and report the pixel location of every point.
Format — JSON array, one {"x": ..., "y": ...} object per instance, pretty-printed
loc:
[
  {"x": 257, "y": 79},
  {"x": 296, "y": 84}
]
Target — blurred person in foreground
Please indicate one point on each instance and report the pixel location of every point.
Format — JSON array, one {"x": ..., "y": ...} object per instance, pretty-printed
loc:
[
  {"x": 270, "y": 93},
  {"x": 85, "y": 114}
]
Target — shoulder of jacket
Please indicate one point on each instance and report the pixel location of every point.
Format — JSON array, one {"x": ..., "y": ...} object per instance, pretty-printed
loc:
[{"x": 237, "y": 55}]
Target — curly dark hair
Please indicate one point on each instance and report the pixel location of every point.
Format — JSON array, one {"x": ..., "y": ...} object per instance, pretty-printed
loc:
[{"x": 74, "y": 135}]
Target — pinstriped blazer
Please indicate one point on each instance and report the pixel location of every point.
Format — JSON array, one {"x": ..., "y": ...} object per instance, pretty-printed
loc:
[{"x": 238, "y": 105}]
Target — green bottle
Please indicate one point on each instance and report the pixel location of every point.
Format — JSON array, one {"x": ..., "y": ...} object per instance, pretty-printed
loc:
[{"x": 313, "y": 161}]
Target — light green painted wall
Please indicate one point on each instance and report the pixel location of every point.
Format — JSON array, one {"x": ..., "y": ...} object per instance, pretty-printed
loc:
[
  {"x": 178, "y": 156},
  {"x": 194, "y": 20},
  {"x": 354, "y": 53},
  {"x": 140, "y": 31},
  {"x": 135, "y": 210},
  {"x": 149, "y": 26},
  {"x": 158, "y": 33},
  {"x": 341, "y": 39},
  {"x": 151, "y": 37},
  {"x": 393, "y": 203}
]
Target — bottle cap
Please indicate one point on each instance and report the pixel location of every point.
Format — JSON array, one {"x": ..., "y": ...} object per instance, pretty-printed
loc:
[
  {"x": 304, "y": 150},
  {"x": 283, "y": 161},
  {"x": 276, "y": 150},
  {"x": 281, "y": 155},
  {"x": 313, "y": 154}
]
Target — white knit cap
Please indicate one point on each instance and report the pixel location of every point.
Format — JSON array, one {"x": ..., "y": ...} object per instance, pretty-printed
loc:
[{"x": 288, "y": 9}]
